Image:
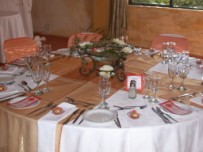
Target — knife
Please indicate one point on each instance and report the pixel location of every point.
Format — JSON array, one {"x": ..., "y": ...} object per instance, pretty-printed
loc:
[
  {"x": 81, "y": 112},
  {"x": 165, "y": 114},
  {"x": 161, "y": 116},
  {"x": 69, "y": 118}
]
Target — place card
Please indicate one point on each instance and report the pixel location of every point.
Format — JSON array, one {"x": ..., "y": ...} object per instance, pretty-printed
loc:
[{"x": 139, "y": 81}]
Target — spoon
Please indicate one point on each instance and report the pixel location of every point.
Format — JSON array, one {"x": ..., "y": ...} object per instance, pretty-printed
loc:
[{"x": 24, "y": 83}]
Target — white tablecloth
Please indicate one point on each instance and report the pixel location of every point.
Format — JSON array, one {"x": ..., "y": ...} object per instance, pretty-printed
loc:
[
  {"x": 184, "y": 136},
  {"x": 11, "y": 26}
]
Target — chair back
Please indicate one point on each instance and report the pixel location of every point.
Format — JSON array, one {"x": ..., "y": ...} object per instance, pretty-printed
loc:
[
  {"x": 18, "y": 48},
  {"x": 182, "y": 42},
  {"x": 83, "y": 37}
]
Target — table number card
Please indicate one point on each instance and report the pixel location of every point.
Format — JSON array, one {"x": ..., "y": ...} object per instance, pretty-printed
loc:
[{"x": 139, "y": 81}]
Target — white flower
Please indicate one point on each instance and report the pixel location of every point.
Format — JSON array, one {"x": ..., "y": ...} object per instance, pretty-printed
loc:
[
  {"x": 106, "y": 71},
  {"x": 82, "y": 44},
  {"x": 118, "y": 41},
  {"x": 127, "y": 50},
  {"x": 39, "y": 40},
  {"x": 106, "y": 68}
]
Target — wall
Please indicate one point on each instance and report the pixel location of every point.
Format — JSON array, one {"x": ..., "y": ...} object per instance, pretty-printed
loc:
[
  {"x": 144, "y": 23},
  {"x": 62, "y": 17}
]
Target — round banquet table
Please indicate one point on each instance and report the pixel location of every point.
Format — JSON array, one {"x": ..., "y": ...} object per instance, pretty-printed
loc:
[
  {"x": 20, "y": 131},
  {"x": 11, "y": 26}
]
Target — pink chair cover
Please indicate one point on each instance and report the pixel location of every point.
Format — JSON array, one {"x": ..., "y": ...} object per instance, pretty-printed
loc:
[
  {"x": 83, "y": 37},
  {"x": 182, "y": 43},
  {"x": 18, "y": 48}
]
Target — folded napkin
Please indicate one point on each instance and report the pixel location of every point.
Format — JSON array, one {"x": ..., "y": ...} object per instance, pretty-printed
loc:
[
  {"x": 25, "y": 102},
  {"x": 47, "y": 127},
  {"x": 173, "y": 108},
  {"x": 10, "y": 91},
  {"x": 197, "y": 100},
  {"x": 9, "y": 69}
]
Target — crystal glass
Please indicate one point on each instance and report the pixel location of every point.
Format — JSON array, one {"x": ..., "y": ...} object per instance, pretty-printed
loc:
[
  {"x": 155, "y": 80},
  {"x": 147, "y": 86},
  {"x": 46, "y": 75},
  {"x": 37, "y": 76},
  {"x": 172, "y": 68},
  {"x": 104, "y": 89},
  {"x": 164, "y": 52},
  {"x": 183, "y": 70},
  {"x": 28, "y": 62}
]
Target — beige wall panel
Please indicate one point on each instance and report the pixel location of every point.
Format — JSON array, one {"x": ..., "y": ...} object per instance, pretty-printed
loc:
[
  {"x": 62, "y": 17},
  {"x": 144, "y": 23}
]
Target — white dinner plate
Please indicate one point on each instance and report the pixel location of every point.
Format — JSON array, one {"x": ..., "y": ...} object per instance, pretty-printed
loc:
[
  {"x": 15, "y": 100},
  {"x": 99, "y": 116},
  {"x": 180, "y": 105},
  {"x": 6, "y": 80}
]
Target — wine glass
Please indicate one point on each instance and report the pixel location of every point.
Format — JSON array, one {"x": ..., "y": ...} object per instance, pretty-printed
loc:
[
  {"x": 155, "y": 80},
  {"x": 37, "y": 76},
  {"x": 46, "y": 75},
  {"x": 183, "y": 70},
  {"x": 104, "y": 89},
  {"x": 172, "y": 68}
]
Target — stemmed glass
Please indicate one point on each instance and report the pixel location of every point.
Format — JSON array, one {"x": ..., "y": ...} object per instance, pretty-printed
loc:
[
  {"x": 183, "y": 70},
  {"x": 104, "y": 89},
  {"x": 172, "y": 69},
  {"x": 164, "y": 52},
  {"x": 46, "y": 75},
  {"x": 28, "y": 62},
  {"x": 155, "y": 80},
  {"x": 37, "y": 76},
  {"x": 147, "y": 80}
]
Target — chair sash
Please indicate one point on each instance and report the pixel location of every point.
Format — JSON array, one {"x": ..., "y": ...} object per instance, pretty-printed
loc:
[{"x": 18, "y": 48}]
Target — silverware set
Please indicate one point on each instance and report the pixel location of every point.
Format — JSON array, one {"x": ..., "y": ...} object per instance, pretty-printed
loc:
[
  {"x": 41, "y": 110},
  {"x": 165, "y": 117},
  {"x": 82, "y": 103}
]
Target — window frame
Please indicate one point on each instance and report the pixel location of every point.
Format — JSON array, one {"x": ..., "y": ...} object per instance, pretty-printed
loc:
[{"x": 171, "y": 5}]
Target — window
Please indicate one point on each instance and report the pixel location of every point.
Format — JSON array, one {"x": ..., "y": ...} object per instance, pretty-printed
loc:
[{"x": 189, "y": 4}]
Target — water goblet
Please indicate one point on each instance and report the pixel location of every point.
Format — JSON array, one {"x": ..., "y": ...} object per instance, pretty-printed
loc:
[
  {"x": 37, "y": 76},
  {"x": 46, "y": 75},
  {"x": 172, "y": 69},
  {"x": 155, "y": 80},
  {"x": 104, "y": 89},
  {"x": 183, "y": 70}
]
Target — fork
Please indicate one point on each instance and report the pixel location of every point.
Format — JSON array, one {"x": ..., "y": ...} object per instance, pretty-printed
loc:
[{"x": 129, "y": 107}]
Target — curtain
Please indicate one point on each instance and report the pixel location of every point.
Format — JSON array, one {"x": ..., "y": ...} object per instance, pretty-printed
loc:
[{"x": 118, "y": 18}]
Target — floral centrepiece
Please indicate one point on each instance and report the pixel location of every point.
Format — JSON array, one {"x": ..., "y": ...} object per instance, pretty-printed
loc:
[
  {"x": 106, "y": 48},
  {"x": 106, "y": 71},
  {"x": 109, "y": 53}
]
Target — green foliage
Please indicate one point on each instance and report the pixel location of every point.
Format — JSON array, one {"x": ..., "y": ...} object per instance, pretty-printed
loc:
[{"x": 177, "y": 3}]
